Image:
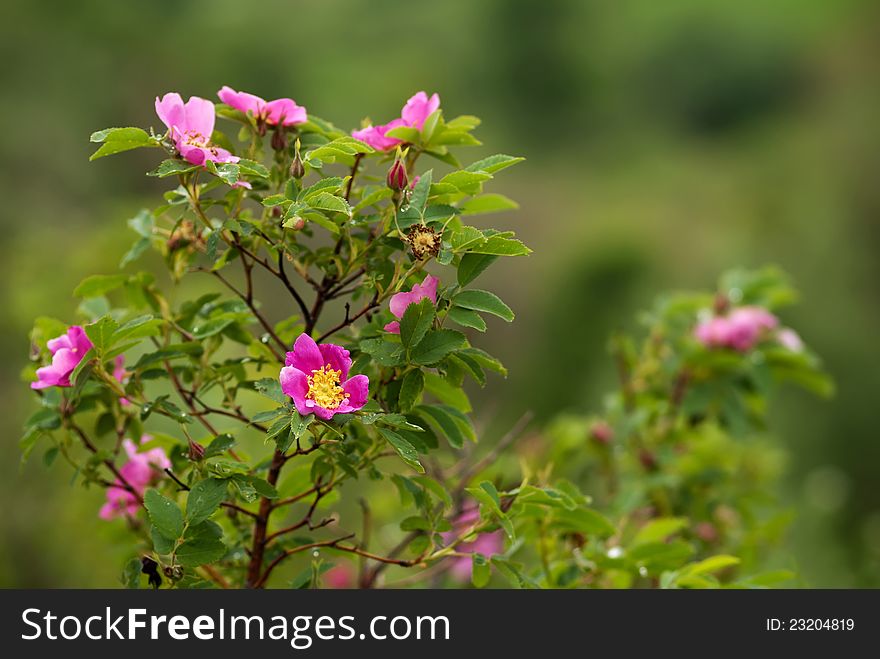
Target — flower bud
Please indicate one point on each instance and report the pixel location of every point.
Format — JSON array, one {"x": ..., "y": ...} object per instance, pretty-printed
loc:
[
  {"x": 601, "y": 433},
  {"x": 297, "y": 223},
  {"x": 196, "y": 451},
  {"x": 279, "y": 139},
  {"x": 397, "y": 179},
  {"x": 297, "y": 169}
]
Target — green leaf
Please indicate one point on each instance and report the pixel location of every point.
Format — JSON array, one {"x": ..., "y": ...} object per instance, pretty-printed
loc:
[
  {"x": 117, "y": 140},
  {"x": 271, "y": 388},
  {"x": 211, "y": 327},
  {"x": 502, "y": 246},
  {"x": 480, "y": 570},
  {"x": 203, "y": 499},
  {"x": 467, "y": 182},
  {"x": 253, "y": 168},
  {"x": 472, "y": 266},
  {"x": 384, "y": 353},
  {"x": 494, "y": 163},
  {"x": 709, "y": 565},
  {"x": 172, "y": 351},
  {"x": 410, "y": 389},
  {"x": 172, "y": 168},
  {"x": 659, "y": 529},
  {"x": 447, "y": 424},
  {"x": 404, "y": 449},
  {"x": 419, "y": 197},
  {"x": 137, "y": 328},
  {"x": 96, "y": 285},
  {"x": 219, "y": 445},
  {"x": 100, "y": 333},
  {"x": 164, "y": 514},
  {"x": 416, "y": 321},
  {"x": 262, "y": 487},
  {"x": 483, "y": 301},
  {"x": 436, "y": 345},
  {"x": 329, "y": 202},
  {"x": 202, "y": 544},
  {"x": 404, "y": 133},
  {"x": 467, "y": 318},
  {"x": 488, "y": 203}
]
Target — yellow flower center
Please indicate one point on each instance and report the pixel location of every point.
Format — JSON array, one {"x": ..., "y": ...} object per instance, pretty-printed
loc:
[{"x": 324, "y": 388}]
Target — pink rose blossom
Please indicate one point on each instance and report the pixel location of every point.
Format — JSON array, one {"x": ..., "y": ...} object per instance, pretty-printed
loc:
[
  {"x": 741, "y": 329},
  {"x": 283, "y": 111},
  {"x": 417, "y": 109},
  {"x": 67, "y": 352},
  {"x": 400, "y": 301},
  {"x": 139, "y": 471},
  {"x": 190, "y": 126},
  {"x": 316, "y": 378},
  {"x": 486, "y": 544},
  {"x": 375, "y": 135}
]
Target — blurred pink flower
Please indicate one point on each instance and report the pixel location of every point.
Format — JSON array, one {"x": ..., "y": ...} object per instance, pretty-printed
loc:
[
  {"x": 120, "y": 374},
  {"x": 741, "y": 329},
  {"x": 417, "y": 109},
  {"x": 400, "y": 301},
  {"x": 67, "y": 352},
  {"x": 190, "y": 126},
  {"x": 140, "y": 470},
  {"x": 486, "y": 544},
  {"x": 790, "y": 339},
  {"x": 316, "y": 378},
  {"x": 341, "y": 576},
  {"x": 283, "y": 111}
]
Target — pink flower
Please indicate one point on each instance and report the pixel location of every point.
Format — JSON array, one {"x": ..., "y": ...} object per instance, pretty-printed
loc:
[
  {"x": 67, "y": 351},
  {"x": 486, "y": 544},
  {"x": 417, "y": 109},
  {"x": 400, "y": 301},
  {"x": 283, "y": 111},
  {"x": 120, "y": 374},
  {"x": 340, "y": 576},
  {"x": 375, "y": 135},
  {"x": 316, "y": 378},
  {"x": 139, "y": 471},
  {"x": 190, "y": 125},
  {"x": 790, "y": 339},
  {"x": 741, "y": 329}
]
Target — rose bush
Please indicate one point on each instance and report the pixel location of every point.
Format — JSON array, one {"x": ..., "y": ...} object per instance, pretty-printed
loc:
[{"x": 303, "y": 365}]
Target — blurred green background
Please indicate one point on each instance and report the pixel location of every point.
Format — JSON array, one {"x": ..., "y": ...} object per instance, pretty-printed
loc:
[{"x": 666, "y": 141}]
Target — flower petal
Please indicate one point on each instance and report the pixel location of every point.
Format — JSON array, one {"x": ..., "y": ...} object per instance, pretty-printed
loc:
[
  {"x": 306, "y": 355},
  {"x": 242, "y": 101},
  {"x": 170, "y": 110},
  {"x": 295, "y": 384},
  {"x": 400, "y": 301},
  {"x": 199, "y": 117},
  {"x": 358, "y": 390},
  {"x": 337, "y": 357},
  {"x": 418, "y": 108},
  {"x": 393, "y": 327},
  {"x": 285, "y": 111}
]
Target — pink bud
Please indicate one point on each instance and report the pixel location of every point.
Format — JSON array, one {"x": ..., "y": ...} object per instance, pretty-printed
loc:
[{"x": 397, "y": 179}]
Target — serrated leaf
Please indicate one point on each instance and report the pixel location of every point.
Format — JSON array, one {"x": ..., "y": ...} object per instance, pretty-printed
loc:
[
  {"x": 117, "y": 140},
  {"x": 486, "y": 301},
  {"x": 467, "y": 318},
  {"x": 410, "y": 389},
  {"x": 96, "y": 285},
  {"x": 201, "y": 545},
  {"x": 436, "y": 345},
  {"x": 472, "y": 265},
  {"x": 203, "y": 499},
  {"x": 416, "y": 321},
  {"x": 164, "y": 514},
  {"x": 404, "y": 449}
]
